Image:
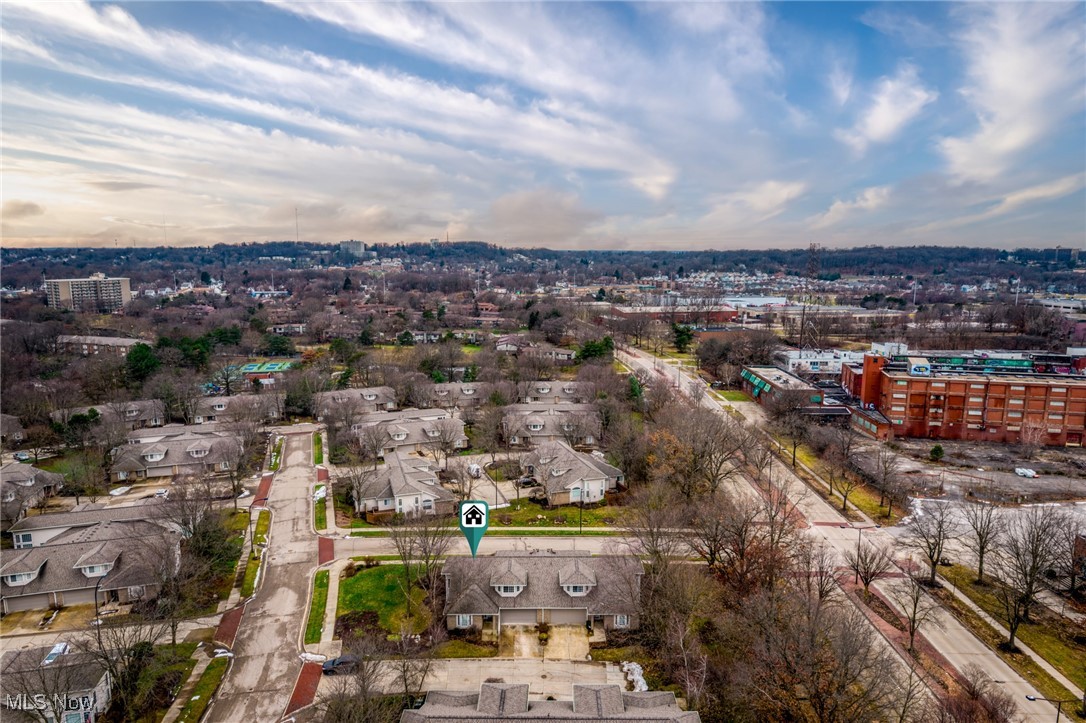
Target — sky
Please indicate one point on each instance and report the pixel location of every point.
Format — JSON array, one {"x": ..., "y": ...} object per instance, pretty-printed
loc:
[{"x": 566, "y": 125}]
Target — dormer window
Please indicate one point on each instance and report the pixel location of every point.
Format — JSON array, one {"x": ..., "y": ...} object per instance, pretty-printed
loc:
[
  {"x": 567, "y": 427},
  {"x": 198, "y": 452},
  {"x": 432, "y": 432},
  {"x": 569, "y": 390},
  {"x": 154, "y": 456},
  {"x": 544, "y": 390},
  {"x": 443, "y": 392},
  {"x": 577, "y": 590},
  {"x": 508, "y": 590},
  {"x": 20, "y": 578},
  {"x": 399, "y": 436},
  {"x": 370, "y": 396},
  {"x": 467, "y": 391},
  {"x": 9, "y": 495},
  {"x": 220, "y": 407},
  {"x": 131, "y": 413},
  {"x": 557, "y": 471},
  {"x": 535, "y": 426},
  {"x": 97, "y": 570}
]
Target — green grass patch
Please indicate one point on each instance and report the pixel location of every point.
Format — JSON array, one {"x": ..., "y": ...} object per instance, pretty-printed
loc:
[
  {"x": 545, "y": 532},
  {"x": 1044, "y": 635},
  {"x": 531, "y": 514},
  {"x": 263, "y": 524},
  {"x": 463, "y": 649},
  {"x": 315, "y": 624},
  {"x": 204, "y": 690},
  {"x": 318, "y": 448},
  {"x": 363, "y": 558},
  {"x": 277, "y": 455},
  {"x": 320, "y": 511},
  {"x": 238, "y": 522},
  {"x": 470, "y": 349},
  {"x": 380, "y": 589},
  {"x": 734, "y": 395},
  {"x": 248, "y": 581},
  {"x": 345, "y": 510},
  {"x": 1024, "y": 665}
]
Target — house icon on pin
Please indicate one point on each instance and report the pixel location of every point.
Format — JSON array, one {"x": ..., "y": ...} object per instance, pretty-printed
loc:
[{"x": 473, "y": 517}]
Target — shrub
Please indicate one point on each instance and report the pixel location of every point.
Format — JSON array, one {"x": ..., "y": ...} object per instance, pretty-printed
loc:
[
  {"x": 936, "y": 453},
  {"x": 505, "y": 519},
  {"x": 543, "y": 628},
  {"x": 559, "y": 519},
  {"x": 370, "y": 561},
  {"x": 351, "y": 570}
]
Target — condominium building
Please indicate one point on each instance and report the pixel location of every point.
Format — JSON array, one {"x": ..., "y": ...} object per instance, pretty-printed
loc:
[{"x": 99, "y": 293}]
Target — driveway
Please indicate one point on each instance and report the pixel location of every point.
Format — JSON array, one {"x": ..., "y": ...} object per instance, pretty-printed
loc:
[
  {"x": 565, "y": 642},
  {"x": 266, "y": 649}
]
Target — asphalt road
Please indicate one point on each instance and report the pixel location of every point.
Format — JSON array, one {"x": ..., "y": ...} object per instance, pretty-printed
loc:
[
  {"x": 267, "y": 646},
  {"x": 955, "y": 642}
]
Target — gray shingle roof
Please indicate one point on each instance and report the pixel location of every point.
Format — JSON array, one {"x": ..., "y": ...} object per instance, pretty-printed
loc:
[
  {"x": 498, "y": 701},
  {"x": 400, "y": 476},
  {"x": 615, "y": 590},
  {"x": 558, "y": 467},
  {"x": 88, "y": 515}
]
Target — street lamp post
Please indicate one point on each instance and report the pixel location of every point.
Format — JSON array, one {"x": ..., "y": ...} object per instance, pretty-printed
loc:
[
  {"x": 859, "y": 534},
  {"x": 1059, "y": 703}
]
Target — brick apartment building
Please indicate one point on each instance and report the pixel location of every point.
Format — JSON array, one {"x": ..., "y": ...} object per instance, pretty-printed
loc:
[
  {"x": 1000, "y": 403},
  {"x": 97, "y": 292}
]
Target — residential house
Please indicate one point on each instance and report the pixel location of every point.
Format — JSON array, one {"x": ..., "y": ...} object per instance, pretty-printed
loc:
[
  {"x": 509, "y": 701},
  {"x": 570, "y": 477},
  {"x": 38, "y": 530},
  {"x": 460, "y": 395},
  {"x": 405, "y": 485},
  {"x": 525, "y": 425},
  {"x": 129, "y": 415},
  {"x": 559, "y": 587},
  {"x": 511, "y": 343},
  {"x": 11, "y": 429},
  {"x": 364, "y": 401},
  {"x": 415, "y": 430},
  {"x": 21, "y": 487},
  {"x": 186, "y": 453},
  {"x": 557, "y": 392},
  {"x": 264, "y": 407},
  {"x": 72, "y": 685},
  {"x": 556, "y": 354},
  {"x": 96, "y": 345},
  {"x": 110, "y": 563}
]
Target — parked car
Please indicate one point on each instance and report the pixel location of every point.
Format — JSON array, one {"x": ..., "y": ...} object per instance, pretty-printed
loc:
[
  {"x": 21, "y": 457},
  {"x": 340, "y": 665},
  {"x": 1025, "y": 472},
  {"x": 527, "y": 482},
  {"x": 475, "y": 471}
]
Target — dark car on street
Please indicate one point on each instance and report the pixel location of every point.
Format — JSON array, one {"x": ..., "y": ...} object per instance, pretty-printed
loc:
[{"x": 340, "y": 665}]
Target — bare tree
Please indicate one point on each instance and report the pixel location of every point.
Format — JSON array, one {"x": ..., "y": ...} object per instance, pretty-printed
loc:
[
  {"x": 358, "y": 697},
  {"x": 462, "y": 483},
  {"x": 816, "y": 565},
  {"x": 369, "y": 444},
  {"x": 1029, "y": 549},
  {"x": 978, "y": 700},
  {"x": 444, "y": 437},
  {"x": 869, "y": 562},
  {"x": 1031, "y": 437},
  {"x": 886, "y": 477},
  {"x": 421, "y": 542},
  {"x": 340, "y": 411},
  {"x": 984, "y": 523},
  {"x": 358, "y": 476},
  {"x": 918, "y": 606},
  {"x": 411, "y": 661},
  {"x": 928, "y": 532},
  {"x": 123, "y": 648},
  {"x": 1072, "y": 565},
  {"x": 25, "y": 674}
]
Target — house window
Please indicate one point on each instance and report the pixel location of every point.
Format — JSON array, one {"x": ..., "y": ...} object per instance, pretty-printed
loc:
[
  {"x": 509, "y": 589},
  {"x": 622, "y": 621},
  {"x": 21, "y": 578},
  {"x": 575, "y": 493},
  {"x": 576, "y": 589},
  {"x": 220, "y": 407},
  {"x": 224, "y": 465},
  {"x": 153, "y": 457},
  {"x": 369, "y": 397},
  {"x": 24, "y": 539},
  {"x": 97, "y": 570},
  {"x": 427, "y": 504},
  {"x": 463, "y": 621},
  {"x": 198, "y": 452}
]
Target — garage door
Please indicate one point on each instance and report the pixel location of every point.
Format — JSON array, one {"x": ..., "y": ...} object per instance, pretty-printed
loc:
[
  {"x": 518, "y": 617},
  {"x": 567, "y": 616},
  {"x": 27, "y": 602},
  {"x": 77, "y": 597}
]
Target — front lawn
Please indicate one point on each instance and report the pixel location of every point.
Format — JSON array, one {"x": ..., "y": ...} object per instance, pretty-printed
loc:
[
  {"x": 315, "y": 625},
  {"x": 531, "y": 514},
  {"x": 734, "y": 395},
  {"x": 464, "y": 649},
  {"x": 204, "y": 690},
  {"x": 320, "y": 510},
  {"x": 1048, "y": 636},
  {"x": 380, "y": 589}
]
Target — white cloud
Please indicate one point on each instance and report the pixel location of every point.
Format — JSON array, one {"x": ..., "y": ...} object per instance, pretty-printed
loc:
[
  {"x": 868, "y": 200},
  {"x": 753, "y": 204},
  {"x": 1026, "y": 75},
  {"x": 840, "y": 82},
  {"x": 1050, "y": 191},
  {"x": 895, "y": 102}
]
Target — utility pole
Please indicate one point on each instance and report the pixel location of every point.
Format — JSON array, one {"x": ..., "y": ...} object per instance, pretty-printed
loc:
[{"x": 296, "y": 234}]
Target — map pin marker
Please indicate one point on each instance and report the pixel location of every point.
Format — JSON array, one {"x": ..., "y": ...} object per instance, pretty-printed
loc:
[{"x": 474, "y": 519}]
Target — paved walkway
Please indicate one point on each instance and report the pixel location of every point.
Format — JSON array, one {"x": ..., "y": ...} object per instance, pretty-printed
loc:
[{"x": 266, "y": 664}]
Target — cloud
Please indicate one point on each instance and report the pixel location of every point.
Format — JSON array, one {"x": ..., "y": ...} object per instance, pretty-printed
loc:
[
  {"x": 752, "y": 205},
  {"x": 1050, "y": 191},
  {"x": 539, "y": 217},
  {"x": 905, "y": 26},
  {"x": 868, "y": 200},
  {"x": 1026, "y": 75},
  {"x": 895, "y": 102},
  {"x": 840, "y": 82},
  {"x": 14, "y": 209}
]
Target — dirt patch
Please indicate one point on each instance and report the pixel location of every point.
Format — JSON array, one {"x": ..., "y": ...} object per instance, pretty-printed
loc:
[{"x": 987, "y": 470}]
